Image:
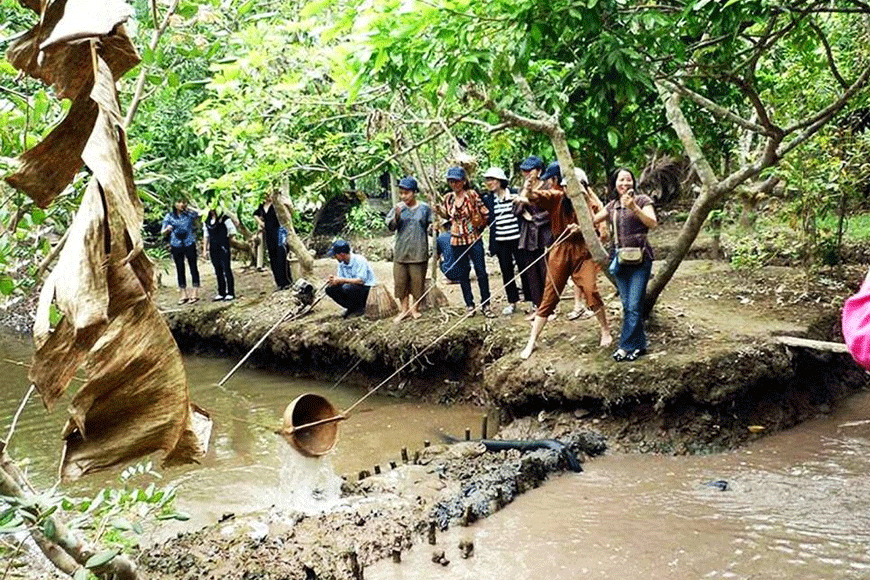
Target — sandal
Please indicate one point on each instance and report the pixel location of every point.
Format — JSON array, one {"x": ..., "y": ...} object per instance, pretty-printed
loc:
[{"x": 578, "y": 313}]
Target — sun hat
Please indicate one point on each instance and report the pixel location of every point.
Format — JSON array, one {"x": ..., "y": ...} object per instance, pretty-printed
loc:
[{"x": 495, "y": 173}]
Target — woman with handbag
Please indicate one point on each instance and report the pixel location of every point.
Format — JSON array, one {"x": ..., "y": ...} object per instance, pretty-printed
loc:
[
  {"x": 632, "y": 216},
  {"x": 569, "y": 256},
  {"x": 468, "y": 218}
]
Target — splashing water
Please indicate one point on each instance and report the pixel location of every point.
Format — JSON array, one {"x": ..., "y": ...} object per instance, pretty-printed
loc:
[{"x": 305, "y": 484}]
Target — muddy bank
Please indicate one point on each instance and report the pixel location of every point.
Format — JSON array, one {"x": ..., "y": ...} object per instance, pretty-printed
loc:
[
  {"x": 378, "y": 517},
  {"x": 714, "y": 369}
]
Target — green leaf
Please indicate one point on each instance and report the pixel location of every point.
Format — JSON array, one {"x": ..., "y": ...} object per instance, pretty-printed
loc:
[
  {"x": 54, "y": 315},
  {"x": 49, "y": 529},
  {"x": 81, "y": 574},
  {"x": 102, "y": 558},
  {"x": 37, "y": 215},
  {"x": 612, "y": 137},
  {"x": 7, "y": 285}
]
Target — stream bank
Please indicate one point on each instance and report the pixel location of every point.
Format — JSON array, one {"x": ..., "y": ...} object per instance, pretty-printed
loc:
[{"x": 715, "y": 376}]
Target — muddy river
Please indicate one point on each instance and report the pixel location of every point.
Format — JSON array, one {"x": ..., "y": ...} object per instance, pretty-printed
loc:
[{"x": 795, "y": 504}]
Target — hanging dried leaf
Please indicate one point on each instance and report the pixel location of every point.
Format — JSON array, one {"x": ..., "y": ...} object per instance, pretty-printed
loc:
[
  {"x": 79, "y": 286},
  {"x": 46, "y": 169},
  {"x": 88, "y": 19},
  {"x": 135, "y": 399},
  {"x": 67, "y": 66}
]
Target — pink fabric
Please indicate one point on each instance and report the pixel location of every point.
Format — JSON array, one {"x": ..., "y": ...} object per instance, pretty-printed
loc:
[{"x": 856, "y": 324}]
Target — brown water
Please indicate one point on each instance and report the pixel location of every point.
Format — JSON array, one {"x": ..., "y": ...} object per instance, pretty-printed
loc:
[
  {"x": 247, "y": 467},
  {"x": 797, "y": 503},
  {"x": 797, "y": 506}
]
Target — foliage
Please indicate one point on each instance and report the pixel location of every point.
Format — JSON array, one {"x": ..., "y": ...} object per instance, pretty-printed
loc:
[
  {"x": 364, "y": 220},
  {"x": 113, "y": 517}
]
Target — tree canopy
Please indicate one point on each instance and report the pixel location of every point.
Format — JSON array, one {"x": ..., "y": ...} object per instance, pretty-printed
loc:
[{"x": 323, "y": 96}]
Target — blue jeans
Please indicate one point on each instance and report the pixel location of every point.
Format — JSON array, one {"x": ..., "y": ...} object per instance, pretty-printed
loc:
[
  {"x": 475, "y": 255},
  {"x": 631, "y": 281}
]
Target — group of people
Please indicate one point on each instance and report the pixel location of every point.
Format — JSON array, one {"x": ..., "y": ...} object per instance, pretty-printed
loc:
[
  {"x": 534, "y": 233},
  {"x": 179, "y": 225},
  {"x": 217, "y": 232},
  {"x": 536, "y": 236}
]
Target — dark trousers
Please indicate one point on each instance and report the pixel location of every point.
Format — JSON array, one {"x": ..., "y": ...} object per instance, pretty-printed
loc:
[
  {"x": 350, "y": 296},
  {"x": 277, "y": 260},
  {"x": 220, "y": 259},
  {"x": 178, "y": 256},
  {"x": 475, "y": 255},
  {"x": 508, "y": 254},
  {"x": 535, "y": 277}
]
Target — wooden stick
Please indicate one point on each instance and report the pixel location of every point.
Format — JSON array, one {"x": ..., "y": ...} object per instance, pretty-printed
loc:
[
  {"x": 317, "y": 423},
  {"x": 813, "y": 344}
]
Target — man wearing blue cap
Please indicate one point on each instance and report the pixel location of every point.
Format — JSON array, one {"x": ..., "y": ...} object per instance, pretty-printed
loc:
[{"x": 350, "y": 286}]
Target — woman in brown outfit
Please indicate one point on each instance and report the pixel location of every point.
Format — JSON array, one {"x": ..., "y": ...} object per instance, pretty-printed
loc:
[{"x": 569, "y": 256}]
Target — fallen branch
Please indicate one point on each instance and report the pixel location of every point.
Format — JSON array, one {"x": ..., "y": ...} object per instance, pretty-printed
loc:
[{"x": 823, "y": 345}]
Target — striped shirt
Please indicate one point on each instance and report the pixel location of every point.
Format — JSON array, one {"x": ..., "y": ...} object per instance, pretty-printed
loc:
[{"x": 506, "y": 224}]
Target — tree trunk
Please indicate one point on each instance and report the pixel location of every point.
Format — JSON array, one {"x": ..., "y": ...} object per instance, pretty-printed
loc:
[
  {"x": 284, "y": 209},
  {"x": 574, "y": 191},
  {"x": 713, "y": 190}
]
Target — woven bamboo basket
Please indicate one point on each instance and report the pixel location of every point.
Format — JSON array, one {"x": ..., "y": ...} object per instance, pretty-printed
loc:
[{"x": 380, "y": 303}]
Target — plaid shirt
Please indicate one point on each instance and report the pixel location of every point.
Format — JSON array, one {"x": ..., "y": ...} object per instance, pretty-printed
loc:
[{"x": 462, "y": 230}]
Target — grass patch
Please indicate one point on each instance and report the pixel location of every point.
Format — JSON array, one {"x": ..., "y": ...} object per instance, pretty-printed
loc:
[{"x": 856, "y": 227}]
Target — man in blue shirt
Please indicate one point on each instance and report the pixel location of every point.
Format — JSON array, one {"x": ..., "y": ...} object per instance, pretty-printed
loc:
[{"x": 350, "y": 286}]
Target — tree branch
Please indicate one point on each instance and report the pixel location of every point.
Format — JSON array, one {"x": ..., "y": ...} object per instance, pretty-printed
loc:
[
  {"x": 416, "y": 145},
  {"x": 715, "y": 108},
  {"x": 17, "y": 416},
  {"x": 814, "y": 123},
  {"x": 46, "y": 262},
  {"x": 684, "y": 132},
  {"x": 152, "y": 45},
  {"x": 831, "y": 62},
  {"x": 65, "y": 551}
]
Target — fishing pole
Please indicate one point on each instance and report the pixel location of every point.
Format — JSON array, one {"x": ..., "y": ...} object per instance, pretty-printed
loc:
[{"x": 290, "y": 316}]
